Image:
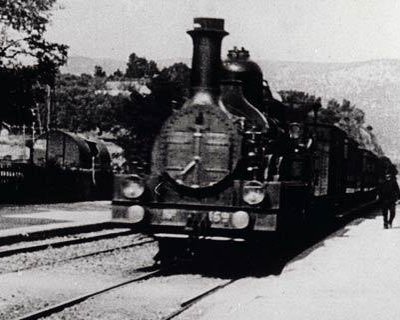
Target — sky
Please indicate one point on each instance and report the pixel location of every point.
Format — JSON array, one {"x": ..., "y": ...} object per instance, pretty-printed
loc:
[{"x": 285, "y": 30}]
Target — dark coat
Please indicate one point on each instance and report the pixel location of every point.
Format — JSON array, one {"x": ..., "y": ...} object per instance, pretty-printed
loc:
[{"x": 389, "y": 191}]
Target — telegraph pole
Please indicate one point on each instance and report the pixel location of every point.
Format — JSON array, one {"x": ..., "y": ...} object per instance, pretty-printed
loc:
[{"x": 48, "y": 106}]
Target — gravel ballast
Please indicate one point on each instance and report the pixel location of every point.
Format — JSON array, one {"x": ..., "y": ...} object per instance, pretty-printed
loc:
[
  {"x": 32, "y": 289},
  {"x": 50, "y": 256},
  {"x": 84, "y": 235},
  {"x": 151, "y": 299}
]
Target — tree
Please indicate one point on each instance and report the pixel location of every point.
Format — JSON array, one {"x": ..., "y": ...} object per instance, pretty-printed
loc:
[
  {"x": 79, "y": 107},
  {"x": 344, "y": 115},
  {"x": 117, "y": 75},
  {"x": 152, "y": 68},
  {"x": 22, "y": 28},
  {"x": 351, "y": 120},
  {"x": 16, "y": 92},
  {"x": 99, "y": 72},
  {"x": 178, "y": 75},
  {"x": 138, "y": 67},
  {"x": 27, "y": 60},
  {"x": 299, "y": 105},
  {"x": 23, "y": 89},
  {"x": 84, "y": 104}
]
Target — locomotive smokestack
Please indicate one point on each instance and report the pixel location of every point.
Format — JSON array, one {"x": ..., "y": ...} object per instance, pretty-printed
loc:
[{"x": 206, "y": 63}]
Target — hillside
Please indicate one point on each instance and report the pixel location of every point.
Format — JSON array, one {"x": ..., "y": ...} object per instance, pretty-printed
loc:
[{"x": 373, "y": 86}]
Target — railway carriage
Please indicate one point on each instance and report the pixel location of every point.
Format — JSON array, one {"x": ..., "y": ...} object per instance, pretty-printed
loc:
[{"x": 236, "y": 164}]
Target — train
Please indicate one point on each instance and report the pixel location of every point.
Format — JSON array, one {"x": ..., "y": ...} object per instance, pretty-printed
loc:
[
  {"x": 236, "y": 164},
  {"x": 62, "y": 166}
]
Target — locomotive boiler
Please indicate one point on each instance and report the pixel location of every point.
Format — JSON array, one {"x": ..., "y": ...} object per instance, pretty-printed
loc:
[{"x": 235, "y": 164}]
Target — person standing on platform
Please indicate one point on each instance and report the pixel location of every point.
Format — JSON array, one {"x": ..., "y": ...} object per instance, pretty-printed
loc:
[{"x": 389, "y": 193}]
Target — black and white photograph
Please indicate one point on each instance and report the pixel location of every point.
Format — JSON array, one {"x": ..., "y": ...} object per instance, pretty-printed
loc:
[{"x": 199, "y": 160}]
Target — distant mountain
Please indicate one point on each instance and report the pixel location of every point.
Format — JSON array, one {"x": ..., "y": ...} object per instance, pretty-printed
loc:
[{"x": 373, "y": 86}]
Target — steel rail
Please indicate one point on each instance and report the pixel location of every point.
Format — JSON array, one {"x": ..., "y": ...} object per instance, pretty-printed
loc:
[
  {"x": 190, "y": 302},
  {"x": 45, "y": 312},
  {"x": 61, "y": 243},
  {"x": 136, "y": 244}
]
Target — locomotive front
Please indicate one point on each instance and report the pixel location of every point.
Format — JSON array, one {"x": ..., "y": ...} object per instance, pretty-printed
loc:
[{"x": 210, "y": 162}]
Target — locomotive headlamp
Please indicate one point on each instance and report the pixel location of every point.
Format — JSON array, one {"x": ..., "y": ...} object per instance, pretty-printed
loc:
[
  {"x": 135, "y": 214},
  {"x": 240, "y": 219},
  {"x": 133, "y": 187},
  {"x": 253, "y": 192}
]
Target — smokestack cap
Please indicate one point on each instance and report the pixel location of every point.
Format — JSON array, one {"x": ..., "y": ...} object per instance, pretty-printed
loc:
[{"x": 210, "y": 24}]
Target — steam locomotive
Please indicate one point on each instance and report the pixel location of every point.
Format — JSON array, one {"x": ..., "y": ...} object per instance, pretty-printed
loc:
[{"x": 236, "y": 164}]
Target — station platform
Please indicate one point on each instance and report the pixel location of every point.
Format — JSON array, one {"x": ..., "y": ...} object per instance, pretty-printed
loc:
[
  {"x": 353, "y": 274},
  {"x": 25, "y": 220}
]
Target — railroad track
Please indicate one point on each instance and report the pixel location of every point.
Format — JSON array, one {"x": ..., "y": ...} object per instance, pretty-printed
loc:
[
  {"x": 4, "y": 252},
  {"x": 45, "y": 312},
  {"x": 190, "y": 302},
  {"x": 136, "y": 244},
  {"x": 182, "y": 308}
]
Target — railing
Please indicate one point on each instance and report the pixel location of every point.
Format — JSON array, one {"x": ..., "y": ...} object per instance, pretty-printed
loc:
[
  {"x": 12, "y": 176},
  {"x": 11, "y": 173}
]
